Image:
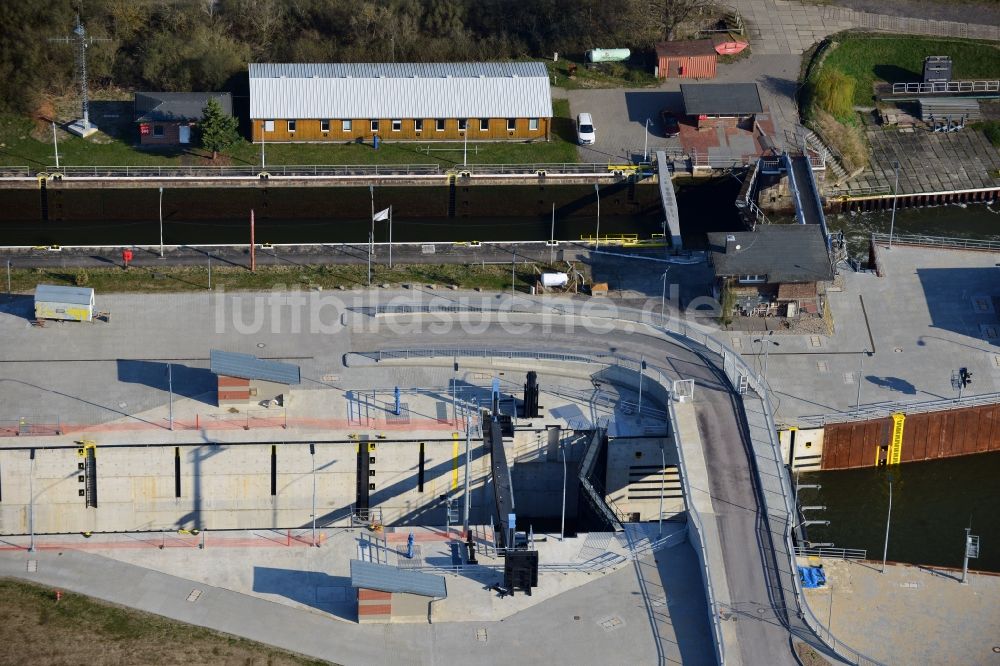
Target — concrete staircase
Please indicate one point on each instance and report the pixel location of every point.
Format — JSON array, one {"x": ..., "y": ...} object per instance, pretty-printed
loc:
[{"x": 832, "y": 161}]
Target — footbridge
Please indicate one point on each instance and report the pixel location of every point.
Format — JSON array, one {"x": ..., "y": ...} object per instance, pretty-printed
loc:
[{"x": 669, "y": 199}]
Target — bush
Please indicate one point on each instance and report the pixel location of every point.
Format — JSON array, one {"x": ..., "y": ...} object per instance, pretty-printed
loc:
[
  {"x": 616, "y": 69},
  {"x": 833, "y": 91},
  {"x": 81, "y": 279}
]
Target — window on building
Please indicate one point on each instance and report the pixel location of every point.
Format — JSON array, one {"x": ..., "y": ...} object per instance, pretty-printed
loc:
[
  {"x": 324, "y": 125},
  {"x": 511, "y": 124},
  {"x": 533, "y": 124},
  {"x": 463, "y": 123},
  {"x": 397, "y": 125},
  {"x": 291, "y": 127},
  {"x": 374, "y": 126},
  {"x": 157, "y": 130},
  {"x": 268, "y": 125},
  {"x": 439, "y": 124},
  {"x": 345, "y": 125},
  {"x": 484, "y": 124},
  {"x": 418, "y": 125},
  {"x": 752, "y": 278}
]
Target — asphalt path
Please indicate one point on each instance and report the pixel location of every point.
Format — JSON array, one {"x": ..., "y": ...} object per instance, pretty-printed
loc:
[{"x": 758, "y": 607}]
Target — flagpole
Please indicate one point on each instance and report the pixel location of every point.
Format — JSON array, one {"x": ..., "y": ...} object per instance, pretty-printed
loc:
[
  {"x": 390, "y": 235},
  {"x": 253, "y": 245},
  {"x": 371, "y": 235}
]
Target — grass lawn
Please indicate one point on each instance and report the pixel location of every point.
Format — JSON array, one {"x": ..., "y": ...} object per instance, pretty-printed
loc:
[
  {"x": 869, "y": 58},
  {"x": 19, "y": 148},
  {"x": 490, "y": 277},
  {"x": 80, "y": 630},
  {"x": 606, "y": 75}
]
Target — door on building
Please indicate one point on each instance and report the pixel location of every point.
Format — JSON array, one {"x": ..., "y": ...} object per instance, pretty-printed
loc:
[{"x": 185, "y": 133}]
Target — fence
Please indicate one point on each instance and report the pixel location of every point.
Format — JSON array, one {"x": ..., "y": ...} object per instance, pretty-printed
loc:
[
  {"x": 906, "y": 24},
  {"x": 739, "y": 373},
  {"x": 884, "y": 410},
  {"x": 282, "y": 170},
  {"x": 32, "y": 426},
  {"x": 938, "y": 241},
  {"x": 833, "y": 553},
  {"x": 946, "y": 87}
]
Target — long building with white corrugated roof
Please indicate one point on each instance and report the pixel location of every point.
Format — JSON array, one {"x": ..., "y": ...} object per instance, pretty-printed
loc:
[{"x": 478, "y": 101}]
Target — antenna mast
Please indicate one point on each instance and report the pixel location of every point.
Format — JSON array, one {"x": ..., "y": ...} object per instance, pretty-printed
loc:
[{"x": 81, "y": 127}]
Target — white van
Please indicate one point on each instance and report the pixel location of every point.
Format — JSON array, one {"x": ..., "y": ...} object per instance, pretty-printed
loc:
[{"x": 585, "y": 135}]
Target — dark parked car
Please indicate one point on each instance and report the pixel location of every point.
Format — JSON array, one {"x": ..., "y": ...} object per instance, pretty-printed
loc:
[{"x": 671, "y": 126}]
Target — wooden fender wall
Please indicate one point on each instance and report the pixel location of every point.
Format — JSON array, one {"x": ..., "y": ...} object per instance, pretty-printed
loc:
[{"x": 926, "y": 436}]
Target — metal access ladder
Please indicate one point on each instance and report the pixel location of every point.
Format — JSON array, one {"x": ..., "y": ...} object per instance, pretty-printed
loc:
[{"x": 896, "y": 448}]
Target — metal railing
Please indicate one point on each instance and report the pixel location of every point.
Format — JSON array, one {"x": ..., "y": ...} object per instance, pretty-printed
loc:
[
  {"x": 16, "y": 172},
  {"x": 272, "y": 170},
  {"x": 885, "y": 410},
  {"x": 946, "y": 87},
  {"x": 832, "y": 553},
  {"x": 736, "y": 369},
  {"x": 845, "y": 192},
  {"x": 910, "y": 25},
  {"x": 938, "y": 241},
  {"x": 698, "y": 542},
  {"x": 566, "y": 168}
]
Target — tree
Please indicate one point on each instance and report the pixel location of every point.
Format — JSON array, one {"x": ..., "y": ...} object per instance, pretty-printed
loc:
[
  {"x": 217, "y": 130},
  {"x": 674, "y": 12}
]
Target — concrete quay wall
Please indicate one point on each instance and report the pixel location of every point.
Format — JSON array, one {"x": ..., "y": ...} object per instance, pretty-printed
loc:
[{"x": 228, "y": 486}]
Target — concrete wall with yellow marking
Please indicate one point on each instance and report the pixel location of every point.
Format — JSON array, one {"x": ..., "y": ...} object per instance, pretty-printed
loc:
[{"x": 227, "y": 486}]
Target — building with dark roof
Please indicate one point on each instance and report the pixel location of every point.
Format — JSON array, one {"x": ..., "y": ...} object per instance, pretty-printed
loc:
[
  {"x": 721, "y": 104},
  {"x": 168, "y": 118},
  {"x": 391, "y": 594},
  {"x": 777, "y": 270},
  {"x": 244, "y": 378},
  {"x": 343, "y": 102},
  {"x": 687, "y": 59}
]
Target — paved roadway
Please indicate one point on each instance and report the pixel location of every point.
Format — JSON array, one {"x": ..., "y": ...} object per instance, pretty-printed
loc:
[{"x": 749, "y": 557}]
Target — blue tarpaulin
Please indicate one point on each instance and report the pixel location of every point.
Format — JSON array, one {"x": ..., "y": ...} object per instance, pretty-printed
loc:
[{"x": 812, "y": 577}]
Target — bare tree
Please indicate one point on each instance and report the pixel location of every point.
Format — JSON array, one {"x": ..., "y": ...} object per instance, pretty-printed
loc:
[{"x": 674, "y": 12}]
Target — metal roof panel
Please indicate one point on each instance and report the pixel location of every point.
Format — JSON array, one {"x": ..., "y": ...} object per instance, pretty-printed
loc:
[
  {"x": 50, "y": 293},
  {"x": 385, "y": 578},
  {"x": 400, "y": 90},
  {"x": 248, "y": 366}
]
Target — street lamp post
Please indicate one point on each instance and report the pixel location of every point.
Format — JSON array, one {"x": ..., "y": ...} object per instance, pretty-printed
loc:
[
  {"x": 467, "y": 500},
  {"x": 562, "y": 525},
  {"x": 170, "y": 387},
  {"x": 663, "y": 474},
  {"x": 895, "y": 195},
  {"x": 312, "y": 455},
  {"x": 642, "y": 367},
  {"x": 161, "y": 223},
  {"x": 9, "y": 293},
  {"x": 371, "y": 235},
  {"x": 645, "y": 141},
  {"x": 31, "y": 502},
  {"x": 888, "y": 518},
  {"x": 597, "y": 238},
  {"x": 55, "y": 143},
  {"x": 861, "y": 371},
  {"x": 767, "y": 342},
  {"x": 663, "y": 295}
]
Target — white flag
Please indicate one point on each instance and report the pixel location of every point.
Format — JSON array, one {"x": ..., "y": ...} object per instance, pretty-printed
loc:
[{"x": 381, "y": 215}]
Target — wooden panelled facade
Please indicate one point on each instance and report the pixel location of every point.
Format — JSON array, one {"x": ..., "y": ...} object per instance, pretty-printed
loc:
[
  {"x": 926, "y": 436},
  {"x": 400, "y": 129}
]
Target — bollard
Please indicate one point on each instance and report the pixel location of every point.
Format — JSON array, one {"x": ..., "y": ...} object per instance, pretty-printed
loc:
[{"x": 58, "y": 595}]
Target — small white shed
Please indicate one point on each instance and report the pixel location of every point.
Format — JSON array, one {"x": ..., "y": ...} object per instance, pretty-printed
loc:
[{"x": 67, "y": 303}]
